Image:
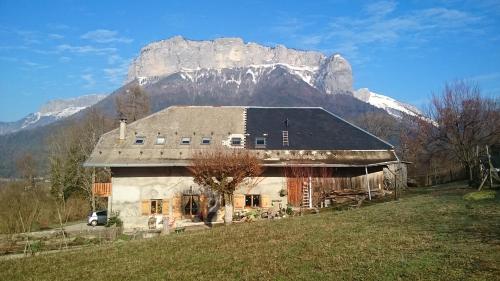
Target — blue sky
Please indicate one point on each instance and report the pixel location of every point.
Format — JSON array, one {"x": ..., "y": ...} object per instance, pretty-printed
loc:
[{"x": 406, "y": 49}]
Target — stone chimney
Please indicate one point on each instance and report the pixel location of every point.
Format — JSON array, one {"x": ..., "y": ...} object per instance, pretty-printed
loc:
[{"x": 123, "y": 128}]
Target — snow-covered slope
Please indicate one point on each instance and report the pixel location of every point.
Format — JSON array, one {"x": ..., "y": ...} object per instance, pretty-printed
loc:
[
  {"x": 392, "y": 106},
  {"x": 51, "y": 112}
]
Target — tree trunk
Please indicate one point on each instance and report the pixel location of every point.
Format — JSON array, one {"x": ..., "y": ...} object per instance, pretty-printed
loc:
[
  {"x": 92, "y": 195},
  {"x": 228, "y": 209},
  {"x": 470, "y": 174}
]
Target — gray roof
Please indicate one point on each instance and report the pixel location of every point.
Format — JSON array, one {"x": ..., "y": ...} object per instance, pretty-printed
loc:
[{"x": 220, "y": 124}]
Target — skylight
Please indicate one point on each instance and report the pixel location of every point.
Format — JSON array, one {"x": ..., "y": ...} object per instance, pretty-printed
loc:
[
  {"x": 160, "y": 140},
  {"x": 140, "y": 140},
  {"x": 206, "y": 140}
]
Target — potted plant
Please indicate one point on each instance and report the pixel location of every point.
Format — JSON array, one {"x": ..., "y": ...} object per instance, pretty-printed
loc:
[{"x": 283, "y": 192}]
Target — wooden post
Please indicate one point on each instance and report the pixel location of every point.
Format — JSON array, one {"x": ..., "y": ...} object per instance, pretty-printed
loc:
[
  {"x": 368, "y": 184},
  {"x": 92, "y": 190},
  {"x": 490, "y": 167},
  {"x": 310, "y": 193}
]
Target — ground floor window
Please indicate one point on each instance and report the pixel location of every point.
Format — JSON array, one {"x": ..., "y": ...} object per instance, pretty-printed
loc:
[
  {"x": 191, "y": 204},
  {"x": 156, "y": 206},
  {"x": 252, "y": 200}
]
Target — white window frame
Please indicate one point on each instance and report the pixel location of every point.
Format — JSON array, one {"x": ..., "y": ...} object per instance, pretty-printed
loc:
[
  {"x": 158, "y": 138},
  {"x": 183, "y": 139}
]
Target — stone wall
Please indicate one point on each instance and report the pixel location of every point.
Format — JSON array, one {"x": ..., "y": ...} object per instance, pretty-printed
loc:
[{"x": 129, "y": 192}]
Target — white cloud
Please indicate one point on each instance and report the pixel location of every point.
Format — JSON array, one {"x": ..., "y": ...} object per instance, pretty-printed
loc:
[
  {"x": 86, "y": 49},
  {"x": 55, "y": 36},
  {"x": 379, "y": 25},
  {"x": 105, "y": 36},
  {"x": 64, "y": 59},
  {"x": 485, "y": 77},
  {"x": 88, "y": 79},
  {"x": 116, "y": 74},
  {"x": 112, "y": 59},
  {"x": 58, "y": 26},
  {"x": 28, "y": 65},
  {"x": 380, "y": 8}
]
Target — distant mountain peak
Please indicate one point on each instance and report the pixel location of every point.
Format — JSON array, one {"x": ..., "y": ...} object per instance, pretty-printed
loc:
[
  {"x": 390, "y": 105},
  {"x": 51, "y": 112}
]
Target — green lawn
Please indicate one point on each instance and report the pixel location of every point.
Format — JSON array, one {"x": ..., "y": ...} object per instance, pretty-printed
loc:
[{"x": 430, "y": 234}]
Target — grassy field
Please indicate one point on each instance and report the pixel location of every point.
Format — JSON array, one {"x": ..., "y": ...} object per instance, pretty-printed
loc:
[{"x": 430, "y": 234}]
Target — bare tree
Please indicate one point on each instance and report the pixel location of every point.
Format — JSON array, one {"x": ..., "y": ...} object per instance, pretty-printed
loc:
[
  {"x": 222, "y": 171},
  {"x": 69, "y": 150},
  {"x": 27, "y": 168},
  {"x": 462, "y": 121},
  {"x": 134, "y": 104},
  {"x": 378, "y": 123}
]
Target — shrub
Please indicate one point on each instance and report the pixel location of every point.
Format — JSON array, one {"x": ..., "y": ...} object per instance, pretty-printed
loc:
[{"x": 114, "y": 219}]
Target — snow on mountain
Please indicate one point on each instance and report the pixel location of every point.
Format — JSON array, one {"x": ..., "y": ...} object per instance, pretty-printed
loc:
[
  {"x": 390, "y": 105},
  {"x": 238, "y": 75},
  {"x": 50, "y": 112},
  {"x": 331, "y": 75}
]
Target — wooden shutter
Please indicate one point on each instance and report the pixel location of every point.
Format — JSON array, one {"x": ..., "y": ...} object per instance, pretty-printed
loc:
[
  {"x": 177, "y": 207},
  {"x": 164, "y": 206},
  {"x": 203, "y": 206},
  {"x": 146, "y": 207},
  {"x": 265, "y": 201},
  {"x": 239, "y": 201}
]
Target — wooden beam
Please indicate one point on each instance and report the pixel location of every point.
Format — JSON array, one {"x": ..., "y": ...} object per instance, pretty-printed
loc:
[{"x": 368, "y": 184}]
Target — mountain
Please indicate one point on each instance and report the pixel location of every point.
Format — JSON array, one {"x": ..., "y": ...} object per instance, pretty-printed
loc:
[
  {"x": 390, "y": 105},
  {"x": 51, "y": 112},
  {"x": 331, "y": 75}
]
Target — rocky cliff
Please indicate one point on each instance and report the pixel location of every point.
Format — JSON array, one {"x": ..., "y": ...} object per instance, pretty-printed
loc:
[{"x": 331, "y": 75}]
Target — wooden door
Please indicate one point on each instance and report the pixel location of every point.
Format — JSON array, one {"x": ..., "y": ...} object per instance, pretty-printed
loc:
[{"x": 294, "y": 186}]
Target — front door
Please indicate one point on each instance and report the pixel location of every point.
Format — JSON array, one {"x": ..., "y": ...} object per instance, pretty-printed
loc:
[
  {"x": 294, "y": 186},
  {"x": 191, "y": 205}
]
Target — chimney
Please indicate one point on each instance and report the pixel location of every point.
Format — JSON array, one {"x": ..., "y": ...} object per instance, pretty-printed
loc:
[{"x": 123, "y": 128}]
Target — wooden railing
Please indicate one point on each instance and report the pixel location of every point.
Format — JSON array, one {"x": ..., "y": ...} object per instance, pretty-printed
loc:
[{"x": 102, "y": 189}]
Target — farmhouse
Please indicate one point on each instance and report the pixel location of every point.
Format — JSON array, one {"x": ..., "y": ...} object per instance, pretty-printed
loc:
[{"x": 301, "y": 149}]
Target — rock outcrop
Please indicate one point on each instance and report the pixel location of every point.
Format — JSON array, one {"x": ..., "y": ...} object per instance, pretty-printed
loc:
[{"x": 159, "y": 59}]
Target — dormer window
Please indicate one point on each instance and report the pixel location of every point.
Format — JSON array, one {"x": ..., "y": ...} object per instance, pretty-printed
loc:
[
  {"x": 260, "y": 142},
  {"x": 186, "y": 140},
  {"x": 140, "y": 140},
  {"x": 160, "y": 140},
  {"x": 236, "y": 141},
  {"x": 206, "y": 140}
]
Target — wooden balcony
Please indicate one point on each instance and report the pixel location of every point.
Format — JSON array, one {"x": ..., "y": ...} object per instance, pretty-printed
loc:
[{"x": 102, "y": 189}]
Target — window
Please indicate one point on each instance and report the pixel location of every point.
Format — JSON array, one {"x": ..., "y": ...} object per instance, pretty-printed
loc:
[
  {"x": 160, "y": 140},
  {"x": 186, "y": 140},
  {"x": 252, "y": 200},
  {"x": 156, "y": 206},
  {"x": 235, "y": 141},
  {"x": 139, "y": 140},
  {"x": 191, "y": 204},
  {"x": 260, "y": 142},
  {"x": 205, "y": 140}
]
